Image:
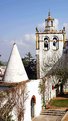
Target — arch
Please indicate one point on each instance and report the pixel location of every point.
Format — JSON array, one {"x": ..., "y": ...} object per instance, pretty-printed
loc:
[
  {"x": 33, "y": 102},
  {"x": 55, "y": 43},
  {"x": 46, "y": 43},
  {"x": 55, "y": 37}
]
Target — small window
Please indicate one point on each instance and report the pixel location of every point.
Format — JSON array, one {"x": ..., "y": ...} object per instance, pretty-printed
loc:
[
  {"x": 46, "y": 43},
  {"x": 55, "y": 43}
]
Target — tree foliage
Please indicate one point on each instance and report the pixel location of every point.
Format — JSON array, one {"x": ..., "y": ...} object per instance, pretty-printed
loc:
[
  {"x": 14, "y": 97},
  {"x": 30, "y": 65},
  {"x": 1, "y": 63},
  {"x": 42, "y": 88},
  {"x": 60, "y": 70}
]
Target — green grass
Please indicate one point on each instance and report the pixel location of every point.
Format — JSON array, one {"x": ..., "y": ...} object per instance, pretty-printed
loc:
[{"x": 59, "y": 103}]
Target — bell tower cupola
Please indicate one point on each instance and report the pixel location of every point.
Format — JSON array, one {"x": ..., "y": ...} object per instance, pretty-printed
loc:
[{"x": 49, "y": 23}]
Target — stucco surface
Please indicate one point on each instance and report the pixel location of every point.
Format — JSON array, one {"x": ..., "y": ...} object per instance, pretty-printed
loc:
[{"x": 15, "y": 71}]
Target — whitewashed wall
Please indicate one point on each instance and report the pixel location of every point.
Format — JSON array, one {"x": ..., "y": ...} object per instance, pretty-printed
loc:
[
  {"x": 48, "y": 55},
  {"x": 32, "y": 88},
  {"x": 49, "y": 93}
]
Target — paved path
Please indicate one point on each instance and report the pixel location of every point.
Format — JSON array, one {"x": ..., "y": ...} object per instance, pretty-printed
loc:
[
  {"x": 65, "y": 118},
  {"x": 47, "y": 118},
  {"x": 50, "y": 115}
]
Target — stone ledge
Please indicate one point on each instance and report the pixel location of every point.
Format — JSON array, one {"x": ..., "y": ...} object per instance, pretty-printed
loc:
[{"x": 65, "y": 118}]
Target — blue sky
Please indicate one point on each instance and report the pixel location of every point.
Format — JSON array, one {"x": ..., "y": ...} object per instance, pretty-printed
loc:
[{"x": 19, "y": 18}]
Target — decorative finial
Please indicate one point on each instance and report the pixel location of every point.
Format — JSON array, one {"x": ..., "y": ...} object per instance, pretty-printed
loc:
[
  {"x": 14, "y": 43},
  {"x": 37, "y": 29},
  {"x": 64, "y": 28},
  {"x": 49, "y": 13}
]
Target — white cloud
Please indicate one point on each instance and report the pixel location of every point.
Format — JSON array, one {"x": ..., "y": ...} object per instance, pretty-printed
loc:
[
  {"x": 18, "y": 42},
  {"x": 56, "y": 22},
  {"x": 25, "y": 44},
  {"x": 29, "y": 37},
  {"x": 41, "y": 26}
]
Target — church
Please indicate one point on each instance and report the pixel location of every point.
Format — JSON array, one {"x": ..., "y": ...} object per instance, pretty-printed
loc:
[
  {"x": 49, "y": 48},
  {"x": 49, "y": 45}
]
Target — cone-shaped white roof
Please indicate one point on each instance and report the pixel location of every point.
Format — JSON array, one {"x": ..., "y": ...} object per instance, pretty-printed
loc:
[{"x": 15, "y": 71}]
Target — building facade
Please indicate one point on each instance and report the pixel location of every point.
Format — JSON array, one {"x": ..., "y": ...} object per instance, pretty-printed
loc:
[
  {"x": 27, "y": 94},
  {"x": 49, "y": 46}
]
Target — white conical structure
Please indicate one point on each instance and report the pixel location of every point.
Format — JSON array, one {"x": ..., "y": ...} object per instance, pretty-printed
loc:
[{"x": 15, "y": 71}]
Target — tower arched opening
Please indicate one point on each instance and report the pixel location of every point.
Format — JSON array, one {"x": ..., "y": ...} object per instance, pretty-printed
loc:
[
  {"x": 46, "y": 43},
  {"x": 55, "y": 43}
]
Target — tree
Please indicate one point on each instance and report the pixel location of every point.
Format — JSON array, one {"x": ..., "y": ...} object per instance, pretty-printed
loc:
[
  {"x": 1, "y": 64},
  {"x": 42, "y": 88},
  {"x": 47, "y": 72},
  {"x": 15, "y": 96},
  {"x": 29, "y": 56},
  {"x": 56, "y": 67},
  {"x": 1, "y": 119},
  {"x": 6, "y": 108},
  {"x": 60, "y": 70},
  {"x": 30, "y": 65}
]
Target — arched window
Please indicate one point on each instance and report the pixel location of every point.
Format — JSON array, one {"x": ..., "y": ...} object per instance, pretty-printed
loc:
[
  {"x": 46, "y": 43},
  {"x": 55, "y": 43}
]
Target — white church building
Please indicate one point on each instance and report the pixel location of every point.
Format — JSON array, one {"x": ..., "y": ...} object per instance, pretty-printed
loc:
[{"x": 49, "y": 47}]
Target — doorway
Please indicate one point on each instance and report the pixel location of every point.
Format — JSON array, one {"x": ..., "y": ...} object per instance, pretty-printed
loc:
[{"x": 33, "y": 102}]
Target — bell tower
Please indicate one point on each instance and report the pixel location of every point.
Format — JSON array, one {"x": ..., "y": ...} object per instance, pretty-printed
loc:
[
  {"x": 49, "y": 23},
  {"x": 49, "y": 46}
]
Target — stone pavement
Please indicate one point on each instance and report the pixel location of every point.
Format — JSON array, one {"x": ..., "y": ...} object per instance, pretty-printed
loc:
[
  {"x": 65, "y": 118},
  {"x": 47, "y": 118},
  {"x": 52, "y": 115}
]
